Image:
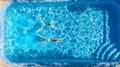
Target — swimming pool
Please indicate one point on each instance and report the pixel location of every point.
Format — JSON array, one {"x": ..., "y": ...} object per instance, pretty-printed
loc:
[{"x": 62, "y": 33}]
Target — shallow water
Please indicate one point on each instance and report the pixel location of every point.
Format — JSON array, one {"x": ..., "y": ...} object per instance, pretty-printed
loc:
[
  {"x": 82, "y": 31},
  {"x": 85, "y": 31}
]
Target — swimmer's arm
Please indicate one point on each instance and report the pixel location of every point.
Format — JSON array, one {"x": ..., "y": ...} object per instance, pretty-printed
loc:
[
  {"x": 52, "y": 26},
  {"x": 60, "y": 39}
]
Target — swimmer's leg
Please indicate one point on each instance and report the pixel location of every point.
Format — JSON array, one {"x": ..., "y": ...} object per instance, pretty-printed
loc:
[
  {"x": 42, "y": 42},
  {"x": 39, "y": 29},
  {"x": 41, "y": 20},
  {"x": 43, "y": 24},
  {"x": 42, "y": 36},
  {"x": 46, "y": 39}
]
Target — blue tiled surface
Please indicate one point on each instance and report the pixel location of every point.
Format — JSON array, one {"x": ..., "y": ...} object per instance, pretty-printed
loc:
[{"x": 89, "y": 33}]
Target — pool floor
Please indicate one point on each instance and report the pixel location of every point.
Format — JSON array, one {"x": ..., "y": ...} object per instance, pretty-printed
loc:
[{"x": 58, "y": 31}]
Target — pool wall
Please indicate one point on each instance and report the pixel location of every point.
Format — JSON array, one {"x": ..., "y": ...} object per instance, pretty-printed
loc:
[
  {"x": 2, "y": 15},
  {"x": 76, "y": 62}
]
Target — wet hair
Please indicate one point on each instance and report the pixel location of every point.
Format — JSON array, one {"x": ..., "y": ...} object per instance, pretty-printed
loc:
[
  {"x": 49, "y": 24},
  {"x": 54, "y": 40}
]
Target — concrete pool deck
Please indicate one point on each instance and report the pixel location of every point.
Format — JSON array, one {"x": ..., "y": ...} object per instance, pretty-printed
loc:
[
  {"x": 2, "y": 2},
  {"x": 3, "y": 64}
]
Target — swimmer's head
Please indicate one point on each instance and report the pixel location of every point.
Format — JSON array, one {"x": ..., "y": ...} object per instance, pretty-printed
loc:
[
  {"x": 56, "y": 39},
  {"x": 49, "y": 24}
]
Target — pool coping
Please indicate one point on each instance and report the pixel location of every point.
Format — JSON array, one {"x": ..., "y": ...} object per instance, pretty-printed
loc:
[
  {"x": 2, "y": 3},
  {"x": 3, "y": 6},
  {"x": 3, "y": 9}
]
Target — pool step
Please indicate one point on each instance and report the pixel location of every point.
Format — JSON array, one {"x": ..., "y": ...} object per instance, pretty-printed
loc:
[
  {"x": 115, "y": 56},
  {"x": 107, "y": 52},
  {"x": 99, "y": 50}
]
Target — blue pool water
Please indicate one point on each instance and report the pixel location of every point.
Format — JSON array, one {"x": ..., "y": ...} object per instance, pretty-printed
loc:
[{"x": 64, "y": 33}]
